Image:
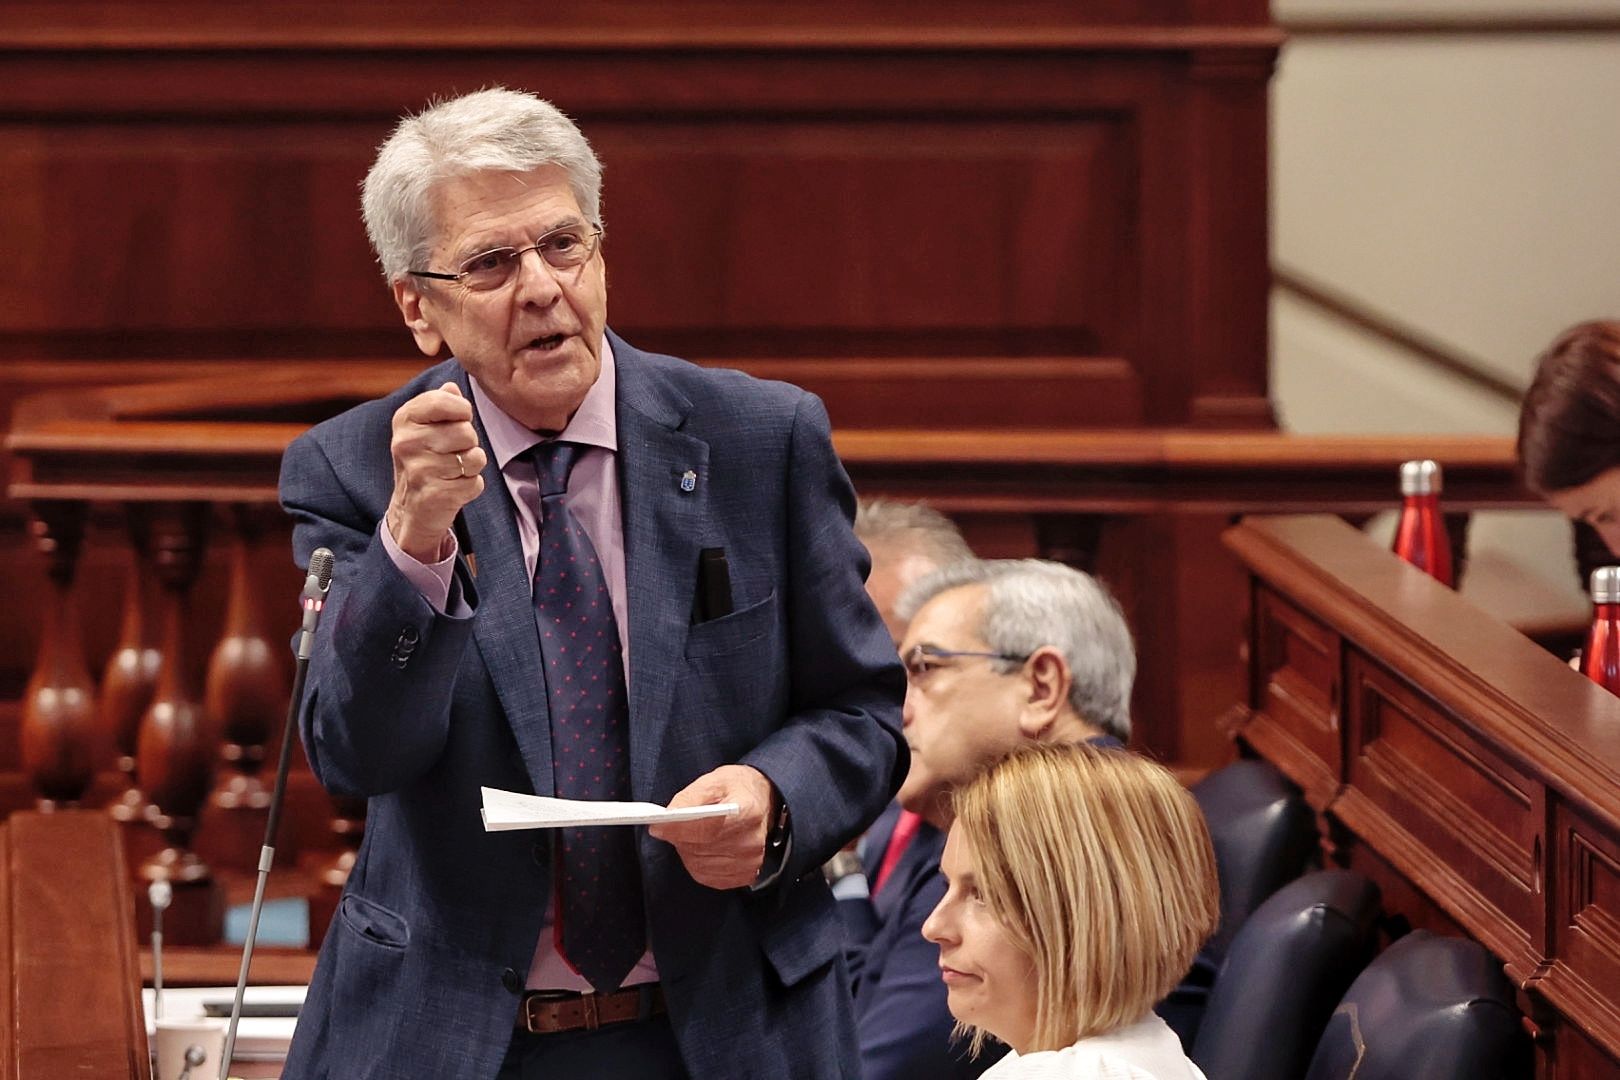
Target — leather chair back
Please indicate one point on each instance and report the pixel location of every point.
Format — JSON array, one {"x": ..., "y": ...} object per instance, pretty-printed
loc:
[
  {"x": 1284, "y": 973},
  {"x": 1264, "y": 835},
  {"x": 1429, "y": 1006}
]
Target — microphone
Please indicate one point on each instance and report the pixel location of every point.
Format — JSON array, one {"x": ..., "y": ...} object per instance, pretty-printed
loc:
[{"x": 317, "y": 581}]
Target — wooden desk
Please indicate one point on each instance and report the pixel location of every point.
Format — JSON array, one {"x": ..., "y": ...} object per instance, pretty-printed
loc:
[
  {"x": 1470, "y": 772},
  {"x": 70, "y": 992}
]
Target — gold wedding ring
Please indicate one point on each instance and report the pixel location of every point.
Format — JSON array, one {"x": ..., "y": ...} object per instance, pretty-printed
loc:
[{"x": 462, "y": 467}]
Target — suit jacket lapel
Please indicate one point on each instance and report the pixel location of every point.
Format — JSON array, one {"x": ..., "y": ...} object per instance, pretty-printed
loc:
[
  {"x": 875, "y": 843},
  {"x": 505, "y": 629},
  {"x": 664, "y": 527}
]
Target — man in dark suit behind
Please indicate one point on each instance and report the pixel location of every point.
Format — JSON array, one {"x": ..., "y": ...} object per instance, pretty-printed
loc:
[
  {"x": 998, "y": 654},
  {"x": 667, "y": 607}
]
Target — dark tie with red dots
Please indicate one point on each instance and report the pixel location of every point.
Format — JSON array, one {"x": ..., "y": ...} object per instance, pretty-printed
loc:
[{"x": 599, "y": 893}]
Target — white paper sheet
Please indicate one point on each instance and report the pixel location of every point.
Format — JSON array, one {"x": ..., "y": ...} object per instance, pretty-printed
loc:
[{"x": 504, "y": 810}]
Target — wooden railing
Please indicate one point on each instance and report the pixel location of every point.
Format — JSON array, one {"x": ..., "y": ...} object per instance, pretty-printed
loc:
[
  {"x": 1473, "y": 774},
  {"x": 70, "y": 989}
]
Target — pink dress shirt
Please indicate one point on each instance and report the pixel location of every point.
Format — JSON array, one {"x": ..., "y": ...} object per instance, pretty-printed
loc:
[{"x": 593, "y": 496}]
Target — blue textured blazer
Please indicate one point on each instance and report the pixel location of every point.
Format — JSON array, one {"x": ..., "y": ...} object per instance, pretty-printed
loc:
[{"x": 420, "y": 973}]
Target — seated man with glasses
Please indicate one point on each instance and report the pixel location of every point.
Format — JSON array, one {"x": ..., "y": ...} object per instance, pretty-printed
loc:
[
  {"x": 666, "y": 606},
  {"x": 999, "y": 654}
]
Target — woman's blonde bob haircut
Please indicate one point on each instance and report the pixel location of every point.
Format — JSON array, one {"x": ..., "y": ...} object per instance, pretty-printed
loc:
[{"x": 1099, "y": 865}]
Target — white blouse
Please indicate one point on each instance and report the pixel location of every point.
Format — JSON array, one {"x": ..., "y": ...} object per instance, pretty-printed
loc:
[{"x": 1145, "y": 1050}]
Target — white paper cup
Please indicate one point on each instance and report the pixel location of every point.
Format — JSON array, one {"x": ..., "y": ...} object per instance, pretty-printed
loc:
[{"x": 175, "y": 1037}]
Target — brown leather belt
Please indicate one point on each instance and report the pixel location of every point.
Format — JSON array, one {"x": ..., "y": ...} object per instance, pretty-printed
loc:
[{"x": 541, "y": 1012}]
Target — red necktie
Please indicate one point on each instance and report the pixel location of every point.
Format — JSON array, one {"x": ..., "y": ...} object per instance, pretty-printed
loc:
[{"x": 905, "y": 827}]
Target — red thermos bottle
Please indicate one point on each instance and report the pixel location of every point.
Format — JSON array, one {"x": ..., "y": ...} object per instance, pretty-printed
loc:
[
  {"x": 1420, "y": 537},
  {"x": 1601, "y": 660}
]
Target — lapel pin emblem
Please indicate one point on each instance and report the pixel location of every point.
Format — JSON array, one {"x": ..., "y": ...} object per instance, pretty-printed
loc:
[{"x": 689, "y": 481}]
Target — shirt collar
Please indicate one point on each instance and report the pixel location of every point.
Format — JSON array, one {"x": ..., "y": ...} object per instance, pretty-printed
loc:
[{"x": 594, "y": 423}]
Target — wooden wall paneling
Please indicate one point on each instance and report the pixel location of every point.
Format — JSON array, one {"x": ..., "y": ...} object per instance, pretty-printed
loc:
[
  {"x": 1585, "y": 903},
  {"x": 1209, "y": 594},
  {"x": 1574, "y": 1056},
  {"x": 212, "y": 231},
  {"x": 1294, "y": 699},
  {"x": 973, "y": 193},
  {"x": 1444, "y": 807},
  {"x": 1129, "y": 552},
  {"x": 941, "y": 392},
  {"x": 877, "y": 234},
  {"x": 999, "y": 536},
  {"x": 1228, "y": 238},
  {"x": 1404, "y": 905},
  {"x": 719, "y": 245}
]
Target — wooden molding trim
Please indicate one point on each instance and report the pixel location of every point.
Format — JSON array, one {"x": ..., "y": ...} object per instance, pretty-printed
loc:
[
  {"x": 1454, "y": 26},
  {"x": 146, "y": 26},
  {"x": 1408, "y": 339}
]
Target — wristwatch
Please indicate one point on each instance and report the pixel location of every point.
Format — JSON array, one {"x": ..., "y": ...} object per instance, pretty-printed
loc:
[
  {"x": 840, "y": 866},
  {"x": 778, "y": 842},
  {"x": 780, "y": 824}
]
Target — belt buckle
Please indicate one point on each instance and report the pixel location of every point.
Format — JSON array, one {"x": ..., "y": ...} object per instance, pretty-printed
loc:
[{"x": 530, "y": 1001}]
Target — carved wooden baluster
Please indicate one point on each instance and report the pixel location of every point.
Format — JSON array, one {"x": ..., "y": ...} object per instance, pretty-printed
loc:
[
  {"x": 247, "y": 700},
  {"x": 126, "y": 691},
  {"x": 58, "y": 738},
  {"x": 175, "y": 748},
  {"x": 349, "y": 826}
]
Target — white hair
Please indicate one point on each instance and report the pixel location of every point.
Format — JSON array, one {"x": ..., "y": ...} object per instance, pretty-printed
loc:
[
  {"x": 494, "y": 130},
  {"x": 917, "y": 526},
  {"x": 1030, "y": 604}
]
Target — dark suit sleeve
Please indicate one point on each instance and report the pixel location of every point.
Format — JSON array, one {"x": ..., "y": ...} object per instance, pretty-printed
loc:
[
  {"x": 377, "y": 706},
  {"x": 860, "y": 923},
  {"x": 902, "y": 1020},
  {"x": 839, "y": 756}
]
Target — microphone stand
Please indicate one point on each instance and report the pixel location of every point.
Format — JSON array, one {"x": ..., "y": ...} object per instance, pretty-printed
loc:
[
  {"x": 316, "y": 583},
  {"x": 161, "y": 893}
]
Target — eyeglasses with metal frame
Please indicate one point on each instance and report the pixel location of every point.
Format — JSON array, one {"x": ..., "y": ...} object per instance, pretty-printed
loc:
[
  {"x": 919, "y": 660},
  {"x": 561, "y": 249}
]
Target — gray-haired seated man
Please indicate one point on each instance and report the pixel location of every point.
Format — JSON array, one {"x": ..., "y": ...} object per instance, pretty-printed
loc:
[{"x": 998, "y": 654}]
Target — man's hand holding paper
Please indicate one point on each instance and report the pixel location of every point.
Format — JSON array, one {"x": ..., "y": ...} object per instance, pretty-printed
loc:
[{"x": 722, "y": 852}]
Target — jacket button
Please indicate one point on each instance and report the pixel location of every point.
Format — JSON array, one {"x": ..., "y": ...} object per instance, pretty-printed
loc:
[
  {"x": 512, "y": 980},
  {"x": 408, "y": 634},
  {"x": 540, "y": 853}
]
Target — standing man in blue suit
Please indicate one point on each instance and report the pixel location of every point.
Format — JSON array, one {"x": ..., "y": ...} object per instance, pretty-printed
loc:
[{"x": 667, "y": 606}]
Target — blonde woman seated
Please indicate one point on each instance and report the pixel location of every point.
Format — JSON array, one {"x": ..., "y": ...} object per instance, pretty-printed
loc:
[{"x": 1081, "y": 884}]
